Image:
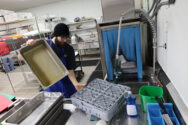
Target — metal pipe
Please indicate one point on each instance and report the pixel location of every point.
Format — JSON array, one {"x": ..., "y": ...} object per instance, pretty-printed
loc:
[
  {"x": 157, "y": 3},
  {"x": 153, "y": 5},
  {"x": 155, "y": 13},
  {"x": 118, "y": 42},
  {"x": 10, "y": 82},
  {"x": 158, "y": 7},
  {"x": 37, "y": 27}
]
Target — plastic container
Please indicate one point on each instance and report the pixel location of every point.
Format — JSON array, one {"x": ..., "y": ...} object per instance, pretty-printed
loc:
[
  {"x": 154, "y": 115},
  {"x": 148, "y": 94},
  {"x": 131, "y": 106}
]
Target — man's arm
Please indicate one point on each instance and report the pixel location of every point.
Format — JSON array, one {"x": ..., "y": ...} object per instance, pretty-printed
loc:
[
  {"x": 71, "y": 65},
  {"x": 71, "y": 75},
  {"x": 77, "y": 85}
]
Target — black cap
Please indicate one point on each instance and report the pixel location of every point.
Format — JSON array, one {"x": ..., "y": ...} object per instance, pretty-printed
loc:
[{"x": 61, "y": 29}]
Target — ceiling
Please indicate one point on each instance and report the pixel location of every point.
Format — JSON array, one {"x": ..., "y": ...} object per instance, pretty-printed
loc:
[{"x": 17, "y": 5}]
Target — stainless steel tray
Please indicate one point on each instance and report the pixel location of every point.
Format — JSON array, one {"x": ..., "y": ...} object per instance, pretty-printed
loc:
[
  {"x": 31, "y": 112},
  {"x": 44, "y": 63},
  {"x": 19, "y": 103}
]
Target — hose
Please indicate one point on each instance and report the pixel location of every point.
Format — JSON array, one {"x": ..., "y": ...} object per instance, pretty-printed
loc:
[
  {"x": 157, "y": 3},
  {"x": 153, "y": 5}
]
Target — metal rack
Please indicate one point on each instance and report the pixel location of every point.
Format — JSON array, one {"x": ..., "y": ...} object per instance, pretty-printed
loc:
[
  {"x": 86, "y": 39},
  {"x": 86, "y": 35},
  {"x": 16, "y": 46}
]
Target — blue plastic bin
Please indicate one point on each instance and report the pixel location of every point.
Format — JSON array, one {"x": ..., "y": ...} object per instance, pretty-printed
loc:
[{"x": 154, "y": 115}]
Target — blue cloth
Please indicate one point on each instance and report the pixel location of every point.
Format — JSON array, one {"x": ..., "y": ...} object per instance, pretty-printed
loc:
[
  {"x": 64, "y": 85},
  {"x": 7, "y": 63},
  {"x": 130, "y": 45}
]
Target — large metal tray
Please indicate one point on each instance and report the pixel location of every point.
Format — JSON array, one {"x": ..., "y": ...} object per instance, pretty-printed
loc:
[
  {"x": 34, "y": 110},
  {"x": 57, "y": 115},
  {"x": 44, "y": 63}
]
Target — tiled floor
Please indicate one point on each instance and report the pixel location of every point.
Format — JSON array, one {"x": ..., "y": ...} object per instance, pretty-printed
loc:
[{"x": 23, "y": 88}]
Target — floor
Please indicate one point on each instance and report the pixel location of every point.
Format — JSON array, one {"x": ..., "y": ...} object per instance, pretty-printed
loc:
[{"x": 28, "y": 86}]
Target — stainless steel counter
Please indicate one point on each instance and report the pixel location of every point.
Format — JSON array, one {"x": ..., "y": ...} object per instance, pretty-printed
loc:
[
  {"x": 79, "y": 117},
  {"x": 122, "y": 119}
]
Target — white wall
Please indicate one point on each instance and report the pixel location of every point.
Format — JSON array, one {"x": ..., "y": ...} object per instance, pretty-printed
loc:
[
  {"x": 138, "y": 4},
  {"x": 70, "y": 9},
  {"x": 173, "y": 26}
]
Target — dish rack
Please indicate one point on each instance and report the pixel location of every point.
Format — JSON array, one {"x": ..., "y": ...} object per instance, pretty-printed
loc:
[{"x": 101, "y": 98}]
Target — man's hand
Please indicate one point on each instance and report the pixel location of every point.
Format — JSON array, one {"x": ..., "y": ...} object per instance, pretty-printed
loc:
[
  {"x": 31, "y": 42},
  {"x": 20, "y": 57},
  {"x": 79, "y": 86}
]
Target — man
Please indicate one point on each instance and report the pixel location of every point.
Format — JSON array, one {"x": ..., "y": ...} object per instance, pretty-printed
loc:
[
  {"x": 68, "y": 85},
  {"x": 5, "y": 57}
]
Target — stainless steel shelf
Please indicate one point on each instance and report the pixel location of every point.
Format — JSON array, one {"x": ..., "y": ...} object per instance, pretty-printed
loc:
[
  {"x": 87, "y": 21},
  {"x": 77, "y": 30},
  {"x": 15, "y": 22}
]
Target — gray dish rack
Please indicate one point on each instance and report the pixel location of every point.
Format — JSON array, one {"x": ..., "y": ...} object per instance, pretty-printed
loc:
[{"x": 101, "y": 98}]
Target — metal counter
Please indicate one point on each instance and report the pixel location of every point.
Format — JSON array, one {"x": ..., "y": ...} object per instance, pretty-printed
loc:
[
  {"x": 74, "y": 116},
  {"x": 79, "y": 117}
]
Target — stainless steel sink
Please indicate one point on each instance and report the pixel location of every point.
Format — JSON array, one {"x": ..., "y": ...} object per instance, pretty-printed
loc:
[{"x": 32, "y": 111}]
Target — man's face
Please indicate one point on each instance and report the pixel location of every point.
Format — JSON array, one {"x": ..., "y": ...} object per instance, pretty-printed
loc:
[{"x": 61, "y": 40}]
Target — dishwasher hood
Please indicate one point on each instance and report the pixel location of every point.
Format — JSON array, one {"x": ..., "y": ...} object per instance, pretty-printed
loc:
[{"x": 112, "y": 9}]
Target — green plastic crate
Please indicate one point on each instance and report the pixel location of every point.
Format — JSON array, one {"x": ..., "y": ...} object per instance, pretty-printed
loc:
[{"x": 148, "y": 94}]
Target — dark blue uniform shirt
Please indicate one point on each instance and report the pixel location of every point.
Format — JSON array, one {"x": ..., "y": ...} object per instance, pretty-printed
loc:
[{"x": 68, "y": 55}]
